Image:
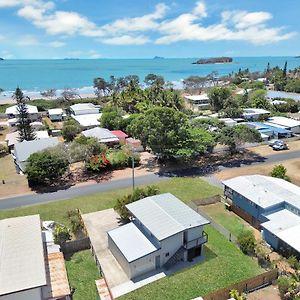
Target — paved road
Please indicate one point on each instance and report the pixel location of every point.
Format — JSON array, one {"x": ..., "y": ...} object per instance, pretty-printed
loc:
[{"x": 206, "y": 173}]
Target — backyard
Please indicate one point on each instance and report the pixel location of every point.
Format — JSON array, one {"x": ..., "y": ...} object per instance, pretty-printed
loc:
[
  {"x": 225, "y": 264},
  {"x": 82, "y": 273}
]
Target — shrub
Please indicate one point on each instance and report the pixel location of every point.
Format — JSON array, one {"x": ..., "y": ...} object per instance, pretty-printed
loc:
[
  {"x": 3, "y": 150},
  {"x": 75, "y": 220},
  {"x": 137, "y": 194},
  {"x": 293, "y": 262},
  {"x": 70, "y": 129},
  {"x": 262, "y": 254},
  {"x": 236, "y": 295},
  {"x": 98, "y": 163},
  {"x": 246, "y": 241},
  {"x": 61, "y": 234},
  {"x": 279, "y": 171}
]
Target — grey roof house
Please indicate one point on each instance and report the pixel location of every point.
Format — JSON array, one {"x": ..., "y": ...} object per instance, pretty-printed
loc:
[
  {"x": 163, "y": 230},
  {"x": 102, "y": 134},
  {"x": 24, "y": 149}
]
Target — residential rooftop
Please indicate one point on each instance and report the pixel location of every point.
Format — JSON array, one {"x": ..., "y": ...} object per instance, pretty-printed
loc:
[
  {"x": 88, "y": 119},
  {"x": 131, "y": 242},
  {"x": 285, "y": 122},
  {"x": 102, "y": 134},
  {"x": 13, "y": 110},
  {"x": 165, "y": 215},
  {"x": 22, "y": 263}
]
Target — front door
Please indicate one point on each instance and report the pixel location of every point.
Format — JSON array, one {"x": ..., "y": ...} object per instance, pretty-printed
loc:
[{"x": 157, "y": 262}]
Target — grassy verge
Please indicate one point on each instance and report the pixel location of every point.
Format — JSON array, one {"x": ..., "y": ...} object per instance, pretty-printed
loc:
[
  {"x": 186, "y": 189},
  {"x": 82, "y": 273},
  {"x": 224, "y": 265}
]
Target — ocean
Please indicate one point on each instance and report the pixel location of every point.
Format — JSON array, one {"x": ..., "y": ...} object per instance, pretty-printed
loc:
[{"x": 34, "y": 76}]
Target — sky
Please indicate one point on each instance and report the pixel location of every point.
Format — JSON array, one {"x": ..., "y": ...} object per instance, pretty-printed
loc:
[{"x": 35, "y": 29}]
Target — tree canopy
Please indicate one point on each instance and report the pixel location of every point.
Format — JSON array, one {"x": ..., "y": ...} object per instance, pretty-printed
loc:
[
  {"x": 217, "y": 97},
  {"x": 70, "y": 130}
]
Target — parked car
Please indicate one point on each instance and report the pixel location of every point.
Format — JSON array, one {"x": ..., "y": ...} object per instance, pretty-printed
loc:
[
  {"x": 274, "y": 141},
  {"x": 280, "y": 145}
]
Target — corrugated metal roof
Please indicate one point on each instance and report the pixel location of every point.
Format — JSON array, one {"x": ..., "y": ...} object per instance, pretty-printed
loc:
[
  {"x": 24, "y": 149},
  {"x": 265, "y": 191},
  {"x": 102, "y": 134},
  {"x": 88, "y": 119},
  {"x": 165, "y": 215},
  {"x": 13, "y": 110},
  {"x": 285, "y": 122},
  {"x": 131, "y": 242},
  {"x": 55, "y": 111},
  {"x": 21, "y": 254}
]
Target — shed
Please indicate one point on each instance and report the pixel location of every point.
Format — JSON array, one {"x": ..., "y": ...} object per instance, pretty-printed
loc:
[
  {"x": 287, "y": 123},
  {"x": 56, "y": 114},
  {"x": 120, "y": 135}
]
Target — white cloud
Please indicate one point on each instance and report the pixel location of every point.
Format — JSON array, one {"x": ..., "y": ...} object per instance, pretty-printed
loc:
[
  {"x": 6, "y": 54},
  {"x": 127, "y": 40},
  {"x": 57, "y": 44},
  {"x": 93, "y": 54},
  {"x": 27, "y": 40},
  {"x": 235, "y": 25}
]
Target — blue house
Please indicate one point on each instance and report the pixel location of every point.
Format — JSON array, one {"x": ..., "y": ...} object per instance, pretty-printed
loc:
[{"x": 271, "y": 205}]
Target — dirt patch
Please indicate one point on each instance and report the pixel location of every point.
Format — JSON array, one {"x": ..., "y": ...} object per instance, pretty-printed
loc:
[
  {"x": 268, "y": 293},
  {"x": 266, "y": 150},
  {"x": 292, "y": 166}
]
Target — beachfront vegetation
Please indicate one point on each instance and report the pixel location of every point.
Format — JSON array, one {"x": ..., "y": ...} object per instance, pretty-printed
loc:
[{"x": 23, "y": 124}]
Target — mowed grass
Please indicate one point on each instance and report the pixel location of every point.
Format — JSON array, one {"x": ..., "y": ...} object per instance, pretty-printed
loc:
[
  {"x": 186, "y": 189},
  {"x": 227, "y": 219},
  {"x": 224, "y": 265},
  {"x": 82, "y": 273}
]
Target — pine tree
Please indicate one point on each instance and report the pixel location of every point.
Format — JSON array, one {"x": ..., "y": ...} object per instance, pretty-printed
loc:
[
  {"x": 23, "y": 125},
  {"x": 285, "y": 70}
]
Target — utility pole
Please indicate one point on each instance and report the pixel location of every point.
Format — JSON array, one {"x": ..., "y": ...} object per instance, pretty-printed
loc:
[{"x": 133, "y": 184}]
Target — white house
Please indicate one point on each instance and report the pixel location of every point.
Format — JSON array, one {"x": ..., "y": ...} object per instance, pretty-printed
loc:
[
  {"x": 84, "y": 109},
  {"x": 55, "y": 114},
  {"x": 252, "y": 114},
  {"x": 102, "y": 134},
  {"x": 163, "y": 230},
  {"x": 13, "y": 113},
  {"x": 201, "y": 101},
  {"x": 287, "y": 123},
  {"x": 27, "y": 271},
  {"x": 24, "y": 149}
]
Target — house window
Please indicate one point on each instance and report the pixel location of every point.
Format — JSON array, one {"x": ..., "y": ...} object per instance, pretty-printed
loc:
[{"x": 167, "y": 254}]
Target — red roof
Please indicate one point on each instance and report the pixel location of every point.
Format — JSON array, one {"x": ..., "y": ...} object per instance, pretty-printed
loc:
[{"x": 119, "y": 134}]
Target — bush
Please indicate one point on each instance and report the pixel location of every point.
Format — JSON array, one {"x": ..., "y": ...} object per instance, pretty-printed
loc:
[
  {"x": 3, "y": 150},
  {"x": 279, "y": 171},
  {"x": 262, "y": 254},
  {"x": 98, "y": 163},
  {"x": 246, "y": 241},
  {"x": 75, "y": 220},
  {"x": 236, "y": 295},
  {"x": 61, "y": 234},
  {"x": 70, "y": 130},
  {"x": 138, "y": 194},
  {"x": 293, "y": 262}
]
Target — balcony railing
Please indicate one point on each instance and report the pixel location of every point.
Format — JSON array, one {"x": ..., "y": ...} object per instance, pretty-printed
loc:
[{"x": 196, "y": 242}]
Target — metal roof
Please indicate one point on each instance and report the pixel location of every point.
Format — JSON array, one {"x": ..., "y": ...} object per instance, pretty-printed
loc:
[
  {"x": 197, "y": 97},
  {"x": 265, "y": 191},
  {"x": 24, "y": 149},
  {"x": 55, "y": 111},
  {"x": 165, "y": 215},
  {"x": 82, "y": 106},
  {"x": 131, "y": 242},
  {"x": 285, "y": 122},
  {"x": 22, "y": 263},
  {"x": 102, "y": 134},
  {"x": 13, "y": 110},
  {"x": 279, "y": 94},
  {"x": 88, "y": 120}
]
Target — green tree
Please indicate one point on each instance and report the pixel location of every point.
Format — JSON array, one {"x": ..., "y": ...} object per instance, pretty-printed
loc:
[
  {"x": 112, "y": 119},
  {"x": 293, "y": 85},
  {"x": 238, "y": 135},
  {"x": 47, "y": 166},
  {"x": 217, "y": 97},
  {"x": 246, "y": 241},
  {"x": 70, "y": 130},
  {"x": 154, "y": 80},
  {"x": 258, "y": 99},
  {"x": 194, "y": 83},
  {"x": 232, "y": 108},
  {"x": 167, "y": 132},
  {"x": 23, "y": 124},
  {"x": 279, "y": 171}
]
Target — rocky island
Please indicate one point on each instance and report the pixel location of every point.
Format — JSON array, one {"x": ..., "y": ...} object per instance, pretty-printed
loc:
[
  {"x": 1, "y": 58},
  {"x": 213, "y": 60}
]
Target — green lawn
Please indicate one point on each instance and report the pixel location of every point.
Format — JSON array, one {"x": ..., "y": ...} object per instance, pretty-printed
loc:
[
  {"x": 227, "y": 219},
  {"x": 186, "y": 189},
  {"x": 224, "y": 265},
  {"x": 82, "y": 273}
]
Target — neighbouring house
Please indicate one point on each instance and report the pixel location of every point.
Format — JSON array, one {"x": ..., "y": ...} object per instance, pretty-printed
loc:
[
  {"x": 228, "y": 121},
  {"x": 37, "y": 125},
  {"x": 12, "y": 114},
  {"x": 252, "y": 114},
  {"x": 120, "y": 135},
  {"x": 88, "y": 121},
  {"x": 274, "y": 95},
  {"x": 102, "y": 134},
  {"x": 135, "y": 144},
  {"x": 24, "y": 149},
  {"x": 271, "y": 205},
  {"x": 163, "y": 230},
  {"x": 270, "y": 130},
  {"x": 199, "y": 101},
  {"x": 55, "y": 114},
  {"x": 286, "y": 123},
  {"x": 41, "y": 134},
  {"x": 28, "y": 271},
  {"x": 84, "y": 109}
]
